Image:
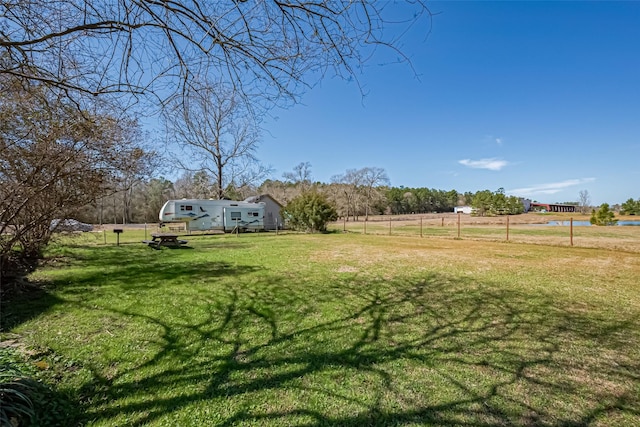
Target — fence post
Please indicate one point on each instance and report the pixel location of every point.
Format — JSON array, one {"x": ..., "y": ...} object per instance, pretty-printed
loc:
[
  {"x": 389, "y": 226},
  {"x": 420, "y": 226},
  {"x": 507, "y": 228},
  {"x": 571, "y": 229},
  {"x": 365, "y": 226},
  {"x": 458, "y": 225}
]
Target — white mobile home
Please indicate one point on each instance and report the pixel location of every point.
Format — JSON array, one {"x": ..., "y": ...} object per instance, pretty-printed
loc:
[{"x": 222, "y": 215}]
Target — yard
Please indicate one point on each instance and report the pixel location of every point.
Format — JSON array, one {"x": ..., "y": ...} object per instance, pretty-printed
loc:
[{"x": 338, "y": 329}]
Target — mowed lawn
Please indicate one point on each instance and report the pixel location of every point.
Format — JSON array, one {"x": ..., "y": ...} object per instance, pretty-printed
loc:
[{"x": 336, "y": 329}]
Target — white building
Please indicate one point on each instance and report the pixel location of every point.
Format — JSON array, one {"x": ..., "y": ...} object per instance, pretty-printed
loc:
[{"x": 463, "y": 209}]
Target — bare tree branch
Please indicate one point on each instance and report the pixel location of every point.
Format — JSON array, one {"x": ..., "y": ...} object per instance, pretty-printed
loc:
[
  {"x": 265, "y": 48},
  {"x": 218, "y": 133}
]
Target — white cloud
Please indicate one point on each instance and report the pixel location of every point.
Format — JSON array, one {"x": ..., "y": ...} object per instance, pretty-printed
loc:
[
  {"x": 499, "y": 141},
  {"x": 491, "y": 164},
  {"x": 549, "y": 188}
]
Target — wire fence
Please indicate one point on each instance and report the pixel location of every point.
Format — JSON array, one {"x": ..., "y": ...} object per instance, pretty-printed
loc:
[{"x": 569, "y": 232}]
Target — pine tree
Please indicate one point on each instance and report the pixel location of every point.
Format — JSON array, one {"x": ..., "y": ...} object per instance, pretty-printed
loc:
[{"x": 603, "y": 216}]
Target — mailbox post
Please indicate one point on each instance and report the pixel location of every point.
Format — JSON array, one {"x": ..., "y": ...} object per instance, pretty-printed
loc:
[{"x": 117, "y": 231}]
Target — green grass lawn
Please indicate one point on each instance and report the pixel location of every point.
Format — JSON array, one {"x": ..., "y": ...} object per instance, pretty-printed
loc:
[{"x": 335, "y": 329}]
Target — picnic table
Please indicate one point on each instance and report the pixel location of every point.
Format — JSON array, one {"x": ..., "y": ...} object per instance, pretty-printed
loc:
[{"x": 164, "y": 239}]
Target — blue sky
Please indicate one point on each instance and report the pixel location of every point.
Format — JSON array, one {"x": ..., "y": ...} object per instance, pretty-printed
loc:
[{"x": 539, "y": 98}]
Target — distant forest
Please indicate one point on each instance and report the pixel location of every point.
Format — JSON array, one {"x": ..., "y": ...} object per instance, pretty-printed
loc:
[{"x": 141, "y": 202}]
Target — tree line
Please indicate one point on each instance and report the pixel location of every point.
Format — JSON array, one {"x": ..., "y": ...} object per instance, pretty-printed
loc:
[{"x": 355, "y": 194}]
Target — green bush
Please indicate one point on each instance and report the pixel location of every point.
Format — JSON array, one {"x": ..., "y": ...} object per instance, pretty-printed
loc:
[
  {"x": 310, "y": 211},
  {"x": 603, "y": 216}
]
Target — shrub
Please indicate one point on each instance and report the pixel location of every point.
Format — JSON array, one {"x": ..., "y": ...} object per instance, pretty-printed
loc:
[
  {"x": 603, "y": 216},
  {"x": 310, "y": 211}
]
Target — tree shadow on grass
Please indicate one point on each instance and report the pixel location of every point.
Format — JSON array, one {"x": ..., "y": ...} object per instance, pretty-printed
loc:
[
  {"x": 431, "y": 351},
  {"x": 128, "y": 271},
  {"x": 24, "y": 306}
]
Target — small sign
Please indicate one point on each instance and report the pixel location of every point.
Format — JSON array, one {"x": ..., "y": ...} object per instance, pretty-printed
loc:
[{"x": 117, "y": 231}]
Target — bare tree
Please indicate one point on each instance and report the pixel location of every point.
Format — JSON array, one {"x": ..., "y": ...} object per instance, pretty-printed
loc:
[
  {"x": 584, "y": 201},
  {"x": 283, "y": 192},
  {"x": 371, "y": 178},
  {"x": 133, "y": 164},
  {"x": 301, "y": 176},
  {"x": 183, "y": 186},
  {"x": 358, "y": 189},
  {"x": 265, "y": 48},
  {"x": 218, "y": 134},
  {"x": 349, "y": 184}
]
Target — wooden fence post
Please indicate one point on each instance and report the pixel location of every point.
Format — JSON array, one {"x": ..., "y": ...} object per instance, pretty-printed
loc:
[
  {"x": 507, "y": 228},
  {"x": 458, "y": 225},
  {"x": 571, "y": 229}
]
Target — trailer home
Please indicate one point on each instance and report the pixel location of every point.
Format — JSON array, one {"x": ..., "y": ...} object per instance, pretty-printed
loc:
[
  {"x": 220, "y": 215},
  {"x": 272, "y": 211}
]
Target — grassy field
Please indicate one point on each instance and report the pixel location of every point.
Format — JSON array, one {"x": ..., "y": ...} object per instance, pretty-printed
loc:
[
  {"x": 336, "y": 329},
  {"x": 526, "y": 228}
]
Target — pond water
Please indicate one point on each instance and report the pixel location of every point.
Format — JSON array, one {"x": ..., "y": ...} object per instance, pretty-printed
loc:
[
  {"x": 585, "y": 223},
  {"x": 628, "y": 222}
]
